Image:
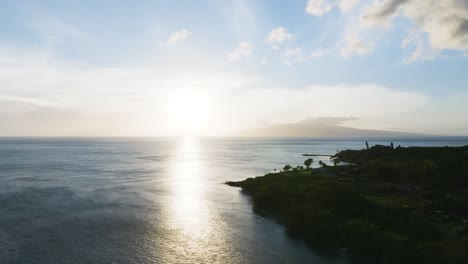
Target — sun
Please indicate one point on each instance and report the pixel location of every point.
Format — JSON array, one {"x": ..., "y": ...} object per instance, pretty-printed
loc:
[{"x": 189, "y": 112}]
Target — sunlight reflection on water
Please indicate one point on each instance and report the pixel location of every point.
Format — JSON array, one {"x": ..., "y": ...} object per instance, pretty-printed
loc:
[
  {"x": 148, "y": 200},
  {"x": 198, "y": 231},
  {"x": 187, "y": 186}
]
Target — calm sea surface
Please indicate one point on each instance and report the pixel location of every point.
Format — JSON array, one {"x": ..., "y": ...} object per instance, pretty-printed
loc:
[{"x": 150, "y": 200}]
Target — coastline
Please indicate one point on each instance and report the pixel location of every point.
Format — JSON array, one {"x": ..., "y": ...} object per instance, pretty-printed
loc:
[{"x": 391, "y": 205}]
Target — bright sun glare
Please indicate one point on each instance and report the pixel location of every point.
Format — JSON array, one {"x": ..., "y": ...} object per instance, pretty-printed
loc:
[{"x": 189, "y": 112}]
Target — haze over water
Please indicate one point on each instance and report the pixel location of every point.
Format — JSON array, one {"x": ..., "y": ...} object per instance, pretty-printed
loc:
[{"x": 149, "y": 200}]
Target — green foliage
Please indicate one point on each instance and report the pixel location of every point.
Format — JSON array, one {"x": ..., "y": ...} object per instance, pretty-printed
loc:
[
  {"x": 308, "y": 163},
  {"x": 432, "y": 167},
  {"x": 391, "y": 205}
]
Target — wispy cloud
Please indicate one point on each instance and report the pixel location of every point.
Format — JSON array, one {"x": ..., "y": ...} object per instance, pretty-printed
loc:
[
  {"x": 421, "y": 52},
  {"x": 321, "y": 7},
  {"x": 293, "y": 55},
  {"x": 355, "y": 46},
  {"x": 57, "y": 97},
  {"x": 243, "y": 50},
  {"x": 27, "y": 100},
  {"x": 55, "y": 31},
  {"x": 178, "y": 36}
]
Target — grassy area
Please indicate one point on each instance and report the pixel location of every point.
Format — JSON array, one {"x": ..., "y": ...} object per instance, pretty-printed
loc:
[{"x": 392, "y": 205}]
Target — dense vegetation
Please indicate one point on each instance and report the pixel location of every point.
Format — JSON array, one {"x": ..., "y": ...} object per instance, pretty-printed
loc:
[{"x": 387, "y": 205}]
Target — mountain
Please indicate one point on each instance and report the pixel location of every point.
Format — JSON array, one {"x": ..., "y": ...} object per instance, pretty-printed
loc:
[{"x": 320, "y": 127}]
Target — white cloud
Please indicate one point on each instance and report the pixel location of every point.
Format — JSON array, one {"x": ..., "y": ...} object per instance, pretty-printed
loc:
[
  {"x": 347, "y": 5},
  {"x": 264, "y": 61},
  {"x": 178, "y": 36},
  {"x": 58, "y": 99},
  {"x": 42, "y": 96},
  {"x": 318, "y": 7},
  {"x": 421, "y": 52},
  {"x": 243, "y": 50},
  {"x": 278, "y": 36},
  {"x": 321, "y": 7},
  {"x": 445, "y": 23},
  {"x": 355, "y": 46}
]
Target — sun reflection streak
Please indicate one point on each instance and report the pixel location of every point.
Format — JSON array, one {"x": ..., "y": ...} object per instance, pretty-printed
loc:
[
  {"x": 187, "y": 170},
  {"x": 196, "y": 232}
]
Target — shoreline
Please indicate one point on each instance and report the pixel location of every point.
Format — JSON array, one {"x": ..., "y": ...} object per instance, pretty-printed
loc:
[{"x": 385, "y": 200}]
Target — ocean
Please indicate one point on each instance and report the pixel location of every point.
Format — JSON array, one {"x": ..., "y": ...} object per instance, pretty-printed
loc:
[{"x": 151, "y": 200}]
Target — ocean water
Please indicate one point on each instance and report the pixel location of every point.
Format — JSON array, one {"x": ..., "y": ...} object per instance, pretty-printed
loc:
[{"x": 124, "y": 200}]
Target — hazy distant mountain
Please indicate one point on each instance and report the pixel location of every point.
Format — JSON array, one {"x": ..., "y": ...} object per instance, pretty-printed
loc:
[{"x": 320, "y": 127}]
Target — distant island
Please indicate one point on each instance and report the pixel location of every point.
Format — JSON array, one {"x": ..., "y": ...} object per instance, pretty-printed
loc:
[
  {"x": 320, "y": 127},
  {"x": 386, "y": 205}
]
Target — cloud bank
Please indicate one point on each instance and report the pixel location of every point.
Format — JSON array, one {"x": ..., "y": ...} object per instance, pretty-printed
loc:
[
  {"x": 443, "y": 23},
  {"x": 437, "y": 26},
  {"x": 60, "y": 99}
]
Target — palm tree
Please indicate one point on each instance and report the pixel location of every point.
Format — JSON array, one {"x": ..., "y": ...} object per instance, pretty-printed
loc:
[{"x": 308, "y": 163}]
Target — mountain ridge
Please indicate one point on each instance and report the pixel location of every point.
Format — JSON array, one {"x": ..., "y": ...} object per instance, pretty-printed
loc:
[{"x": 321, "y": 127}]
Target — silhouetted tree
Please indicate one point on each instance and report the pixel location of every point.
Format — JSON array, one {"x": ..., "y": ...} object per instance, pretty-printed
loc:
[
  {"x": 391, "y": 145},
  {"x": 287, "y": 167},
  {"x": 367, "y": 145},
  {"x": 308, "y": 163},
  {"x": 336, "y": 161}
]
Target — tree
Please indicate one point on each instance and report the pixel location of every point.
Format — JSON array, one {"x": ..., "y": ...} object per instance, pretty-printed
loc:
[
  {"x": 308, "y": 163},
  {"x": 336, "y": 161},
  {"x": 287, "y": 167},
  {"x": 367, "y": 145},
  {"x": 322, "y": 164}
]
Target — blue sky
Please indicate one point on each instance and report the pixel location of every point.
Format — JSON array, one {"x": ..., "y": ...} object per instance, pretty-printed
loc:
[{"x": 111, "y": 67}]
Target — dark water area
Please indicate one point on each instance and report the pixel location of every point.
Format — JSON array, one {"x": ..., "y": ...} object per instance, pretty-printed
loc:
[{"x": 151, "y": 200}]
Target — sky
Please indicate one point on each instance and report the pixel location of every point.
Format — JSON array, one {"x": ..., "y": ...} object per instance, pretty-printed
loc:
[{"x": 213, "y": 67}]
